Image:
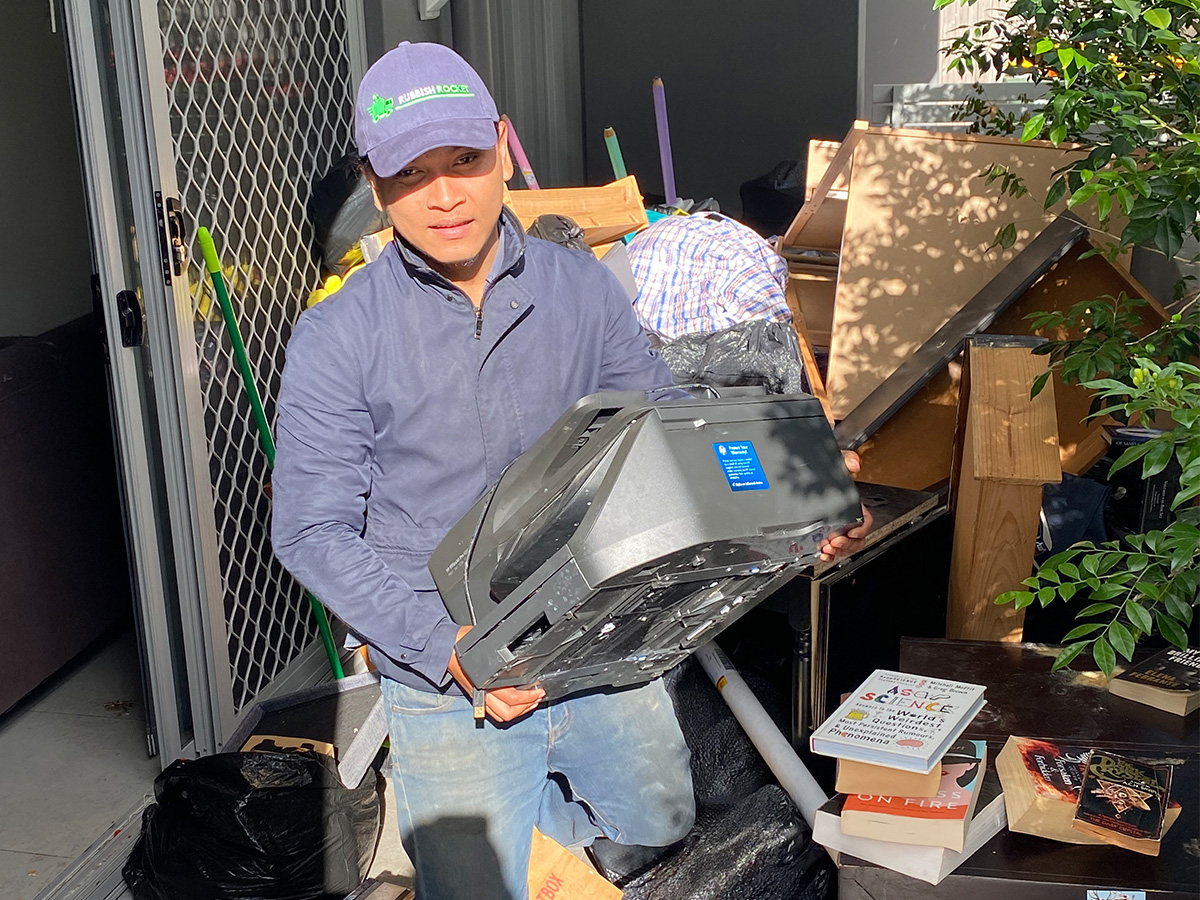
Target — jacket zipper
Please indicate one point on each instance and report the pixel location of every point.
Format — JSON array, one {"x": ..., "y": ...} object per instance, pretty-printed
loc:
[{"x": 478, "y": 321}]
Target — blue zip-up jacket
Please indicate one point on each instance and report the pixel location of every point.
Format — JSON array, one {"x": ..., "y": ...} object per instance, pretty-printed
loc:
[{"x": 400, "y": 406}]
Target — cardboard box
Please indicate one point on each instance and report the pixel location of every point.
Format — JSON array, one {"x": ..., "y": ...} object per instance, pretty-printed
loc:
[
  {"x": 557, "y": 874},
  {"x": 605, "y": 213},
  {"x": 347, "y": 714}
]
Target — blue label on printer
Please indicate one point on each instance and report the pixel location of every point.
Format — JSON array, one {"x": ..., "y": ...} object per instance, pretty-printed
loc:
[{"x": 740, "y": 464}]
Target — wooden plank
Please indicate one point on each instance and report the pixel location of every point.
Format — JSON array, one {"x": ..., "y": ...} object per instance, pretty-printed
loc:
[
  {"x": 927, "y": 421},
  {"x": 820, "y": 156},
  {"x": 913, "y": 449},
  {"x": 917, "y": 244},
  {"x": 1081, "y": 440},
  {"x": 816, "y": 382},
  {"x": 814, "y": 292},
  {"x": 1008, "y": 286},
  {"x": 1016, "y": 437},
  {"x": 995, "y": 533},
  {"x": 839, "y": 162},
  {"x": 1009, "y": 440},
  {"x": 824, "y": 226}
]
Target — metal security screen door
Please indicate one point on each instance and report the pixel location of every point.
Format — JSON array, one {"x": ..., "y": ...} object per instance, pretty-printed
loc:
[
  {"x": 259, "y": 104},
  {"x": 241, "y": 105}
]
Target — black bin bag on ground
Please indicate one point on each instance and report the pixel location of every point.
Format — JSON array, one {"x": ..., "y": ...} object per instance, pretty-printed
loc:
[
  {"x": 255, "y": 826},
  {"x": 749, "y": 841}
]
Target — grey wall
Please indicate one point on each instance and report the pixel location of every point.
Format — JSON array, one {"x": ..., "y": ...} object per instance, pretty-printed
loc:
[
  {"x": 528, "y": 52},
  {"x": 898, "y": 45},
  {"x": 748, "y": 84},
  {"x": 388, "y": 22},
  {"x": 43, "y": 217}
]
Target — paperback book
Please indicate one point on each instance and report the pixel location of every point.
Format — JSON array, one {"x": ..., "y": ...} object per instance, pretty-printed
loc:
[
  {"x": 864, "y": 778},
  {"x": 1042, "y": 781},
  {"x": 939, "y": 821},
  {"x": 1123, "y": 801},
  {"x": 1169, "y": 681},
  {"x": 900, "y": 721},
  {"x": 930, "y": 864}
]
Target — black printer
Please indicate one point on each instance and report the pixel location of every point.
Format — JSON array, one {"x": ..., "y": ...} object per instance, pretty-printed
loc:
[{"x": 633, "y": 532}]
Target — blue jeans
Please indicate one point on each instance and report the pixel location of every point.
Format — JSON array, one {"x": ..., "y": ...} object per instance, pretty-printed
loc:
[{"x": 468, "y": 798}]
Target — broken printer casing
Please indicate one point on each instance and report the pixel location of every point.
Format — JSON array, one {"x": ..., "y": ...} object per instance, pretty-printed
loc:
[{"x": 633, "y": 532}]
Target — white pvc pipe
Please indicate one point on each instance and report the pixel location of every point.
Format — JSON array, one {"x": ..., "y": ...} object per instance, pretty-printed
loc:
[{"x": 775, "y": 749}]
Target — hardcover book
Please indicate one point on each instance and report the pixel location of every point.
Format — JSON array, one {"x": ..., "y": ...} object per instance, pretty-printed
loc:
[
  {"x": 900, "y": 721},
  {"x": 931, "y": 864},
  {"x": 939, "y": 821},
  {"x": 1123, "y": 801},
  {"x": 1042, "y": 780},
  {"x": 1169, "y": 681}
]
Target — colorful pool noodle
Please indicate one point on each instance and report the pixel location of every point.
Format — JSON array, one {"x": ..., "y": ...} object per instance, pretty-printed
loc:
[
  {"x": 664, "y": 141},
  {"x": 514, "y": 144},
  {"x": 614, "y": 153}
]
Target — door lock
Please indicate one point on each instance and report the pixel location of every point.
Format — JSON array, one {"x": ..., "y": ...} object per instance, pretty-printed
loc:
[
  {"x": 132, "y": 316},
  {"x": 170, "y": 236}
]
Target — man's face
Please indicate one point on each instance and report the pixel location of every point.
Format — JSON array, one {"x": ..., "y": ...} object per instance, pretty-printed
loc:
[{"x": 446, "y": 202}]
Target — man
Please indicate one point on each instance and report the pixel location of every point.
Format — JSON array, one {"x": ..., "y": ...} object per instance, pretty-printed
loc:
[{"x": 404, "y": 398}]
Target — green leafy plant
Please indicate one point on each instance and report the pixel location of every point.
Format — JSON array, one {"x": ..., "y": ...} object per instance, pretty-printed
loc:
[
  {"x": 1121, "y": 81},
  {"x": 1144, "y": 582}
]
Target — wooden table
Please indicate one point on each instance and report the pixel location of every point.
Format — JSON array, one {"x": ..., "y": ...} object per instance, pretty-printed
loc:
[{"x": 1071, "y": 706}]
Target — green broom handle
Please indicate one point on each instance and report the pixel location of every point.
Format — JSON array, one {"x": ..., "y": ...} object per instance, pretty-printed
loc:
[{"x": 209, "y": 250}]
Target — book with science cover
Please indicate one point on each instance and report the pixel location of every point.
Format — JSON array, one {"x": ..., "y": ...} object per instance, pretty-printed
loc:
[{"x": 899, "y": 720}]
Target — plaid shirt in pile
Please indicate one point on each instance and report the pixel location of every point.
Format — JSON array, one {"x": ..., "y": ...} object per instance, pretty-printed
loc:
[{"x": 705, "y": 273}]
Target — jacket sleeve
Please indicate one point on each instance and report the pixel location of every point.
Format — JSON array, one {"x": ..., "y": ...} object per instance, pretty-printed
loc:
[
  {"x": 629, "y": 362},
  {"x": 321, "y": 481}
]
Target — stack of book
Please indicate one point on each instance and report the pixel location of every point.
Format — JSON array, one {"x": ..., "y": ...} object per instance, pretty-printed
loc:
[
  {"x": 913, "y": 795},
  {"x": 1084, "y": 796}
]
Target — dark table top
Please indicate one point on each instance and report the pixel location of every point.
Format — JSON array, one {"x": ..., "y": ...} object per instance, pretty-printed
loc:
[
  {"x": 1072, "y": 707},
  {"x": 1024, "y": 698}
]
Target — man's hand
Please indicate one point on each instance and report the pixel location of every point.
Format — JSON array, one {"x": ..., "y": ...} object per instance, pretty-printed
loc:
[
  {"x": 502, "y": 704},
  {"x": 851, "y": 541}
]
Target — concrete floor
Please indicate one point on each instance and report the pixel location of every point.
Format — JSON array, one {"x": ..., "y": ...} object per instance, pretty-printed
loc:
[
  {"x": 72, "y": 759},
  {"x": 391, "y": 862}
]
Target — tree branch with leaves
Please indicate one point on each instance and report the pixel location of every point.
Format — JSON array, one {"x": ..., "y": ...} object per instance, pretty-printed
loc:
[{"x": 1121, "y": 81}]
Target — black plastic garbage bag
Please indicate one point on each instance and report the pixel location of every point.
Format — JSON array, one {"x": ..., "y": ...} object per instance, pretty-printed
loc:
[
  {"x": 759, "y": 847},
  {"x": 749, "y": 841},
  {"x": 756, "y": 351},
  {"x": 255, "y": 826},
  {"x": 561, "y": 230},
  {"x": 342, "y": 210}
]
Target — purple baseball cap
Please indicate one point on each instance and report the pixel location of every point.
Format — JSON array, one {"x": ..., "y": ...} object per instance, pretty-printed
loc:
[{"x": 419, "y": 97}]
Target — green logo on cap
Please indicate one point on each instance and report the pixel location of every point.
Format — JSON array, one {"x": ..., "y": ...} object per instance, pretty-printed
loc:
[{"x": 380, "y": 108}]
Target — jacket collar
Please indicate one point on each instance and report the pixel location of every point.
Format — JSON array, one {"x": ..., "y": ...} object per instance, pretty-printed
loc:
[{"x": 510, "y": 259}]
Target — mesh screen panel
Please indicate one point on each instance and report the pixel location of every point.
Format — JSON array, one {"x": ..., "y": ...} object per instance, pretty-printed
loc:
[{"x": 260, "y": 104}]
